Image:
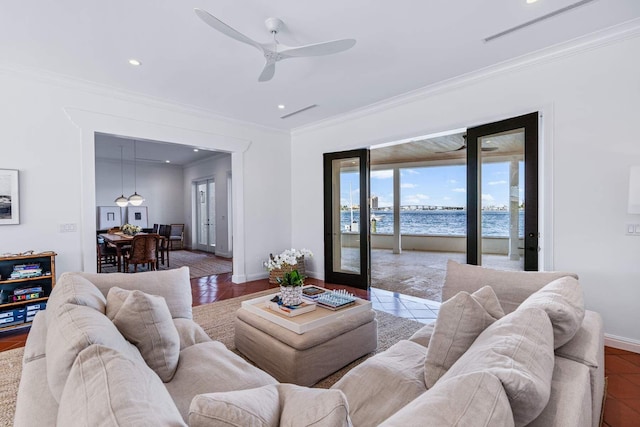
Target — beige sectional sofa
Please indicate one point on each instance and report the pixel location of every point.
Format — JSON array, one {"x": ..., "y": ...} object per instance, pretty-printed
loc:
[{"x": 509, "y": 348}]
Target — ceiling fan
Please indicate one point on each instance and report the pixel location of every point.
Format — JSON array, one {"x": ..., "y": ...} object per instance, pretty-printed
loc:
[
  {"x": 274, "y": 52},
  {"x": 464, "y": 147}
]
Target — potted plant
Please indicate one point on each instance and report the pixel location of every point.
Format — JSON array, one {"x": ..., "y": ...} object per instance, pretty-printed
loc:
[
  {"x": 291, "y": 287},
  {"x": 287, "y": 261}
]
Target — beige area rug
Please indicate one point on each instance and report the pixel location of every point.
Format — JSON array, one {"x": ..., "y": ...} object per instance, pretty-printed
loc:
[
  {"x": 200, "y": 264},
  {"x": 217, "y": 319}
]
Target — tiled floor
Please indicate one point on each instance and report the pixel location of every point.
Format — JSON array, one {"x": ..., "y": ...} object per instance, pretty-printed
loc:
[{"x": 622, "y": 406}]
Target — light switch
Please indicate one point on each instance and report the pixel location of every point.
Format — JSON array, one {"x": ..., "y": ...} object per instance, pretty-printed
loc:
[{"x": 630, "y": 228}]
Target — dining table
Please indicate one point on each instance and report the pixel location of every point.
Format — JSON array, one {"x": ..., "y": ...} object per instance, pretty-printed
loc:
[{"x": 119, "y": 240}]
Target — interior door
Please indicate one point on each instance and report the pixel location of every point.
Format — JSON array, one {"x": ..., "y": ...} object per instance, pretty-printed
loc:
[
  {"x": 206, "y": 215},
  {"x": 504, "y": 152},
  {"x": 347, "y": 250}
]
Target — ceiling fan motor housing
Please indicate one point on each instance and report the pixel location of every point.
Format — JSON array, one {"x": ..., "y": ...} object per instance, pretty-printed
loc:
[{"x": 274, "y": 25}]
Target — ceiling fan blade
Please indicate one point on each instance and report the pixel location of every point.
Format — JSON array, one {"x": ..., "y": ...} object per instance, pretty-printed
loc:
[
  {"x": 268, "y": 71},
  {"x": 318, "y": 49},
  {"x": 225, "y": 29}
]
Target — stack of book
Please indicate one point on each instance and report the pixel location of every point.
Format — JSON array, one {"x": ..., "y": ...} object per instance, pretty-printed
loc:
[
  {"x": 25, "y": 271},
  {"x": 25, "y": 294}
]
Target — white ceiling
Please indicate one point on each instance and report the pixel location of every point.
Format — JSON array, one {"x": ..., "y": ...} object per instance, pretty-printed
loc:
[
  {"x": 401, "y": 46},
  {"x": 108, "y": 147}
]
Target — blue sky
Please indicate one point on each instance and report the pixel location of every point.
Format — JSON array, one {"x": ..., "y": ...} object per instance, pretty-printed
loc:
[{"x": 436, "y": 185}]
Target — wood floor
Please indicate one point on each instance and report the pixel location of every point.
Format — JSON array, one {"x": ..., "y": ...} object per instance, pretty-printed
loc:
[{"x": 622, "y": 406}]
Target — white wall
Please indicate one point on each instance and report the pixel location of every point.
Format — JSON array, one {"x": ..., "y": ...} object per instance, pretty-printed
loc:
[
  {"x": 160, "y": 184},
  {"x": 590, "y": 98},
  {"x": 47, "y": 133}
]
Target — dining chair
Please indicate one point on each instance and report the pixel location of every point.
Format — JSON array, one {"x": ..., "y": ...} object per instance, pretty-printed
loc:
[
  {"x": 144, "y": 250},
  {"x": 176, "y": 235},
  {"x": 163, "y": 246},
  {"x": 105, "y": 254}
]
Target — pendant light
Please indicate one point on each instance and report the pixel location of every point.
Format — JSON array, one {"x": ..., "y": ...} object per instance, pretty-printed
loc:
[
  {"x": 121, "y": 201},
  {"x": 135, "y": 199}
]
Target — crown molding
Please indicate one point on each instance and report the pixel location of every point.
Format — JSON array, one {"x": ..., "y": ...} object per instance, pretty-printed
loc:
[
  {"x": 611, "y": 35},
  {"x": 104, "y": 90}
]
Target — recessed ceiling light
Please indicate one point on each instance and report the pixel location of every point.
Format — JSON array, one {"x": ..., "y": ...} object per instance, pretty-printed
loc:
[
  {"x": 281, "y": 106},
  {"x": 196, "y": 150},
  {"x": 531, "y": 1},
  {"x": 135, "y": 62},
  {"x": 167, "y": 161}
]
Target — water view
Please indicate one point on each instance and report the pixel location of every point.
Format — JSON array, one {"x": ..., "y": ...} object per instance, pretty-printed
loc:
[{"x": 448, "y": 223}]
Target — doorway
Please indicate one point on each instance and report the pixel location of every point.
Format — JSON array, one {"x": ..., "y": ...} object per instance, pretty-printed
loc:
[
  {"x": 346, "y": 218},
  {"x": 205, "y": 194}
]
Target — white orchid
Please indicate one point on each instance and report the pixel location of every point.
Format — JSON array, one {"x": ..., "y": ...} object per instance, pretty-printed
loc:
[{"x": 287, "y": 257}]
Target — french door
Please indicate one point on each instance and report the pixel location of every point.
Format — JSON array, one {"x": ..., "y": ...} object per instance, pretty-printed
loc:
[
  {"x": 347, "y": 250},
  {"x": 504, "y": 151},
  {"x": 206, "y": 215}
]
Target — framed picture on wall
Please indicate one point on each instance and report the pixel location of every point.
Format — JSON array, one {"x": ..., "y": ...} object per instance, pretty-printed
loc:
[
  {"x": 109, "y": 217},
  {"x": 9, "y": 197},
  {"x": 137, "y": 215}
]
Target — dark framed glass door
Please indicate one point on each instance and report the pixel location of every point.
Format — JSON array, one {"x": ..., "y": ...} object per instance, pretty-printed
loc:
[
  {"x": 347, "y": 251},
  {"x": 508, "y": 148}
]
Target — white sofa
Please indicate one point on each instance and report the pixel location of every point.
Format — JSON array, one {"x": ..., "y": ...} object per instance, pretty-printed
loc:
[{"x": 522, "y": 351}]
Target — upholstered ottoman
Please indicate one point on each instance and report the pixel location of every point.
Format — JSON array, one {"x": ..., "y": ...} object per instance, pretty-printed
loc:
[{"x": 305, "y": 358}]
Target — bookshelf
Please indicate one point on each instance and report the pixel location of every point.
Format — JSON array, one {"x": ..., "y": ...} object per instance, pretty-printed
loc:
[{"x": 22, "y": 296}]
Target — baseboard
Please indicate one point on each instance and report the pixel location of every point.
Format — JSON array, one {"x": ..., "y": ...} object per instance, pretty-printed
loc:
[
  {"x": 238, "y": 278},
  {"x": 622, "y": 343},
  {"x": 224, "y": 254}
]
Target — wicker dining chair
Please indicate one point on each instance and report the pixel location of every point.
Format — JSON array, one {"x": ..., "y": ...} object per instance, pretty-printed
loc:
[{"x": 144, "y": 250}]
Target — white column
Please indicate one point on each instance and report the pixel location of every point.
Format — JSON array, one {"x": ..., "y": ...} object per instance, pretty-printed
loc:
[
  {"x": 397, "y": 244},
  {"x": 514, "y": 210}
]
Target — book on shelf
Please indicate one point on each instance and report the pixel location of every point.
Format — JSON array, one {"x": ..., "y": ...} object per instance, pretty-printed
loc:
[
  {"x": 25, "y": 297},
  {"x": 29, "y": 290}
]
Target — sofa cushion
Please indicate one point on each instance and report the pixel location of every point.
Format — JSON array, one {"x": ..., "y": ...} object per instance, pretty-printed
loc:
[
  {"x": 145, "y": 321},
  {"x": 511, "y": 287},
  {"x": 518, "y": 349},
  {"x": 174, "y": 285},
  {"x": 190, "y": 332},
  {"x": 75, "y": 289},
  {"x": 384, "y": 383},
  {"x": 475, "y": 399},
  {"x": 460, "y": 320},
  {"x": 272, "y": 405},
  {"x": 72, "y": 328},
  {"x": 209, "y": 367},
  {"x": 423, "y": 335},
  {"x": 107, "y": 388},
  {"x": 563, "y": 302}
]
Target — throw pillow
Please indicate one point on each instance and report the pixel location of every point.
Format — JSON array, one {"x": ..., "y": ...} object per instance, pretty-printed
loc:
[
  {"x": 475, "y": 399},
  {"x": 460, "y": 320},
  {"x": 274, "y": 405},
  {"x": 562, "y": 300},
  {"x": 145, "y": 321},
  {"x": 302, "y": 406},
  {"x": 518, "y": 349},
  {"x": 106, "y": 388},
  {"x": 257, "y": 407}
]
